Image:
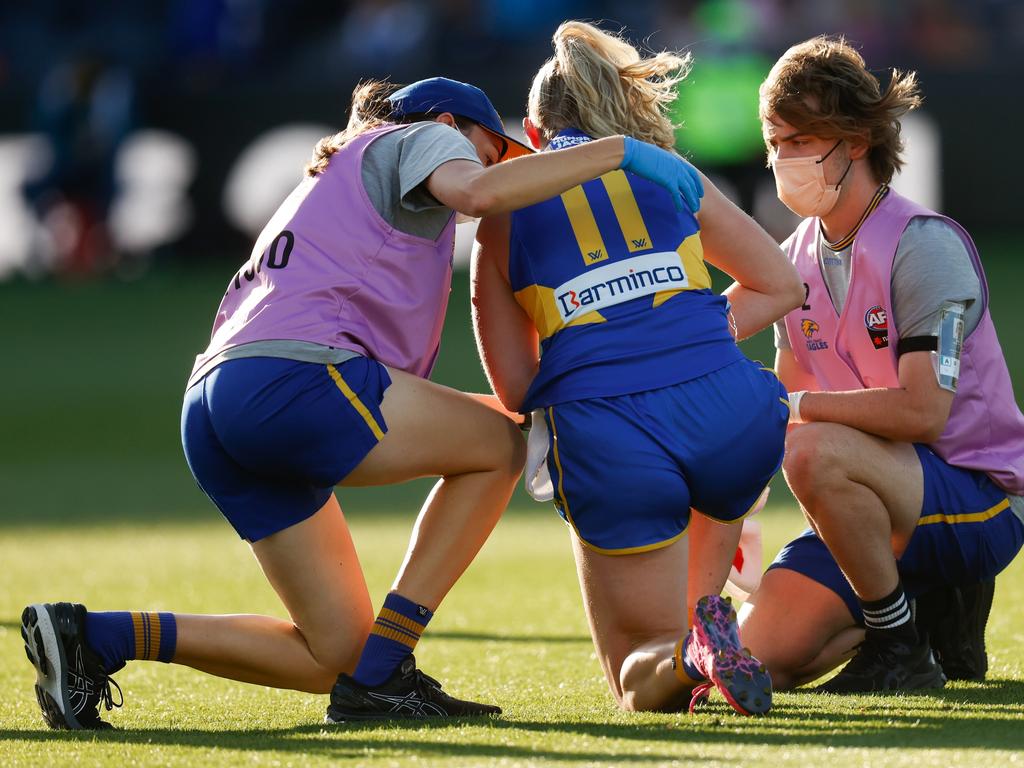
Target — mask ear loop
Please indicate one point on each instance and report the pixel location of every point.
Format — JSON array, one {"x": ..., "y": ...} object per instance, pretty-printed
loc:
[
  {"x": 836, "y": 145},
  {"x": 849, "y": 165}
]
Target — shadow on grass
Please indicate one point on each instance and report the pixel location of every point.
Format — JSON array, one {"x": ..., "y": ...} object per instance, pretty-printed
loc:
[
  {"x": 976, "y": 716},
  {"x": 349, "y": 742}
]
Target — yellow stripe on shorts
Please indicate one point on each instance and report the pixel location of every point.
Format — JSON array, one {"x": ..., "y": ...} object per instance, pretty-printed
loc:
[
  {"x": 970, "y": 517},
  {"x": 353, "y": 398},
  {"x": 568, "y": 515}
]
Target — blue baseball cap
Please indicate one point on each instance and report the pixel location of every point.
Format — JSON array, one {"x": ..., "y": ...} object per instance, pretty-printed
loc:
[{"x": 439, "y": 94}]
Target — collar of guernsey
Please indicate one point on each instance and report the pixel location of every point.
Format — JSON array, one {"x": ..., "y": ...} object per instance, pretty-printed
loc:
[{"x": 569, "y": 137}]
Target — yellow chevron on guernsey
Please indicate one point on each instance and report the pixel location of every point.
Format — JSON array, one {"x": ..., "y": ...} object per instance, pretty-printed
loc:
[
  {"x": 691, "y": 251},
  {"x": 579, "y": 300}
]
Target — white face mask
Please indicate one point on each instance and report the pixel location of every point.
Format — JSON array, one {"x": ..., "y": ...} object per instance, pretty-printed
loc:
[{"x": 800, "y": 184}]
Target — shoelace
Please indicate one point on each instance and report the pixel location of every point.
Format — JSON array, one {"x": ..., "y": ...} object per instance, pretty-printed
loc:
[
  {"x": 869, "y": 654},
  {"x": 106, "y": 697},
  {"x": 421, "y": 678},
  {"x": 700, "y": 694}
]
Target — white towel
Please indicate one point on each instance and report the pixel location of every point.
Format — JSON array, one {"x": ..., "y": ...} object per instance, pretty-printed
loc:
[{"x": 537, "y": 478}]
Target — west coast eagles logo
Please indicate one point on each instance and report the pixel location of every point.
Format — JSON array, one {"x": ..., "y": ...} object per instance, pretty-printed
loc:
[
  {"x": 809, "y": 328},
  {"x": 877, "y": 322}
]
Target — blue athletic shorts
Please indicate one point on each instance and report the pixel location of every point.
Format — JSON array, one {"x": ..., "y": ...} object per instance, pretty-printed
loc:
[
  {"x": 627, "y": 469},
  {"x": 267, "y": 439},
  {"x": 967, "y": 533}
]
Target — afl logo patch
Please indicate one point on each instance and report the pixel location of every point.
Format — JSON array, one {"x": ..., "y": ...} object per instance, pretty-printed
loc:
[{"x": 877, "y": 323}]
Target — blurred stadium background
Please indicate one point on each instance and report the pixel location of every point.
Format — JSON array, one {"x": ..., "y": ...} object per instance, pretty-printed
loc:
[{"x": 143, "y": 144}]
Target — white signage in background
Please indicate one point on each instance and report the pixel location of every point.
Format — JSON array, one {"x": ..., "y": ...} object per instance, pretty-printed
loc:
[
  {"x": 266, "y": 172},
  {"x": 921, "y": 177},
  {"x": 23, "y": 158},
  {"x": 155, "y": 169}
]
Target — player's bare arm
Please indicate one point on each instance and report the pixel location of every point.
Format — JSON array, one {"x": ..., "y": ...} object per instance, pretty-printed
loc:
[
  {"x": 505, "y": 336},
  {"x": 767, "y": 285}
]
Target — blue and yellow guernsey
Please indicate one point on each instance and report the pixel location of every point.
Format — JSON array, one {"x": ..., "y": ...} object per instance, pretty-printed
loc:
[{"x": 613, "y": 277}]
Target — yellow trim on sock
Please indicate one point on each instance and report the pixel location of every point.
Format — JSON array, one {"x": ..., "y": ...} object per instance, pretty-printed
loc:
[
  {"x": 154, "y": 637},
  {"x": 678, "y": 667},
  {"x": 139, "y": 634},
  {"x": 403, "y": 621},
  {"x": 393, "y": 634}
]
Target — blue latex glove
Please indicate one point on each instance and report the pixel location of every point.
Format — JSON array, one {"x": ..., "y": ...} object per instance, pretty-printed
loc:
[{"x": 666, "y": 169}]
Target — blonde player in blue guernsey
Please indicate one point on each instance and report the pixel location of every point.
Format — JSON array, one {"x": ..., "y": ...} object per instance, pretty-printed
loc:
[
  {"x": 650, "y": 406},
  {"x": 316, "y": 376}
]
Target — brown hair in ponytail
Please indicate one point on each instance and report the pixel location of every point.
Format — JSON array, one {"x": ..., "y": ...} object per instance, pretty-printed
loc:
[{"x": 370, "y": 109}]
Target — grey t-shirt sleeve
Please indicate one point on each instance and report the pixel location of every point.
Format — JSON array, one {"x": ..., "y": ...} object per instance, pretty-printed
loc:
[
  {"x": 421, "y": 149},
  {"x": 932, "y": 266}
]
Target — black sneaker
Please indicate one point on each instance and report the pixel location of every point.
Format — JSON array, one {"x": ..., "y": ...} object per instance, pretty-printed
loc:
[
  {"x": 882, "y": 667},
  {"x": 408, "y": 693},
  {"x": 953, "y": 619},
  {"x": 70, "y": 679}
]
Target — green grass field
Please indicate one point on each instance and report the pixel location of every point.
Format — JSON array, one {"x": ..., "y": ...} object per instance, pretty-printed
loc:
[
  {"x": 96, "y": 505},
  {"x": 512, "y": 631}
]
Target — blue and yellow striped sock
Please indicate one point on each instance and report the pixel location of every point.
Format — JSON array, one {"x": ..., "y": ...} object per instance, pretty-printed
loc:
[
  {"x": 685, "y": 669},
  {"x": 120, "y": 636},
  {"x": 394, "y": 635}
]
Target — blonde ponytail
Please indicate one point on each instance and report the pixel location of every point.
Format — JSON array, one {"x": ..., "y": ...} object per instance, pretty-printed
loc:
[
  {"x": 600, "y": 84},
  {"x": 370, "y": 109}
]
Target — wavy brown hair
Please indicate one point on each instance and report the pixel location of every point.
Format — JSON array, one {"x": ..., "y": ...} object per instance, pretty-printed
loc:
[
  {"x": 823, "y": 88},
  {"x": 600, "y": 84}
]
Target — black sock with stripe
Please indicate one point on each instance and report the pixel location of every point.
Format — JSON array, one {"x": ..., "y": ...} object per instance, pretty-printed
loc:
[
  {"x": 394, "y": 636},
  {"x": 890, "y": 619}
]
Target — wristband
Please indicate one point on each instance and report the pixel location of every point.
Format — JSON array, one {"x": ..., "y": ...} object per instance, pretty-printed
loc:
[{"x": 794, "y": 406}]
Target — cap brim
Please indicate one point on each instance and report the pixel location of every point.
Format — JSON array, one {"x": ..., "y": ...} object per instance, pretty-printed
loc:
[{"x": 513, "y": 148}]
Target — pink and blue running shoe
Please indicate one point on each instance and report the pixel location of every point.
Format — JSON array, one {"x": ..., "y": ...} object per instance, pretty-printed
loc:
[{"x": 714, "y": 648}]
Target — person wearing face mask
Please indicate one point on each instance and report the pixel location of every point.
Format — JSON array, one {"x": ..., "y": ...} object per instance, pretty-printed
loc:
[{"x": 906, "y": 446}]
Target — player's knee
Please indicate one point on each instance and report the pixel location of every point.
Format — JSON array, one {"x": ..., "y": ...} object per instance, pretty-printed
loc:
[
  {"x": 811, "y": 458},
  {"x": 339, "y": 652},
  {"x": 639, "y": 687},
  {"x": 512, "y": 450}
]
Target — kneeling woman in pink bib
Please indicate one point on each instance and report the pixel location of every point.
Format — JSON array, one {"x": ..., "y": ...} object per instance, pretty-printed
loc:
[{"x": 316, "y": 376}]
